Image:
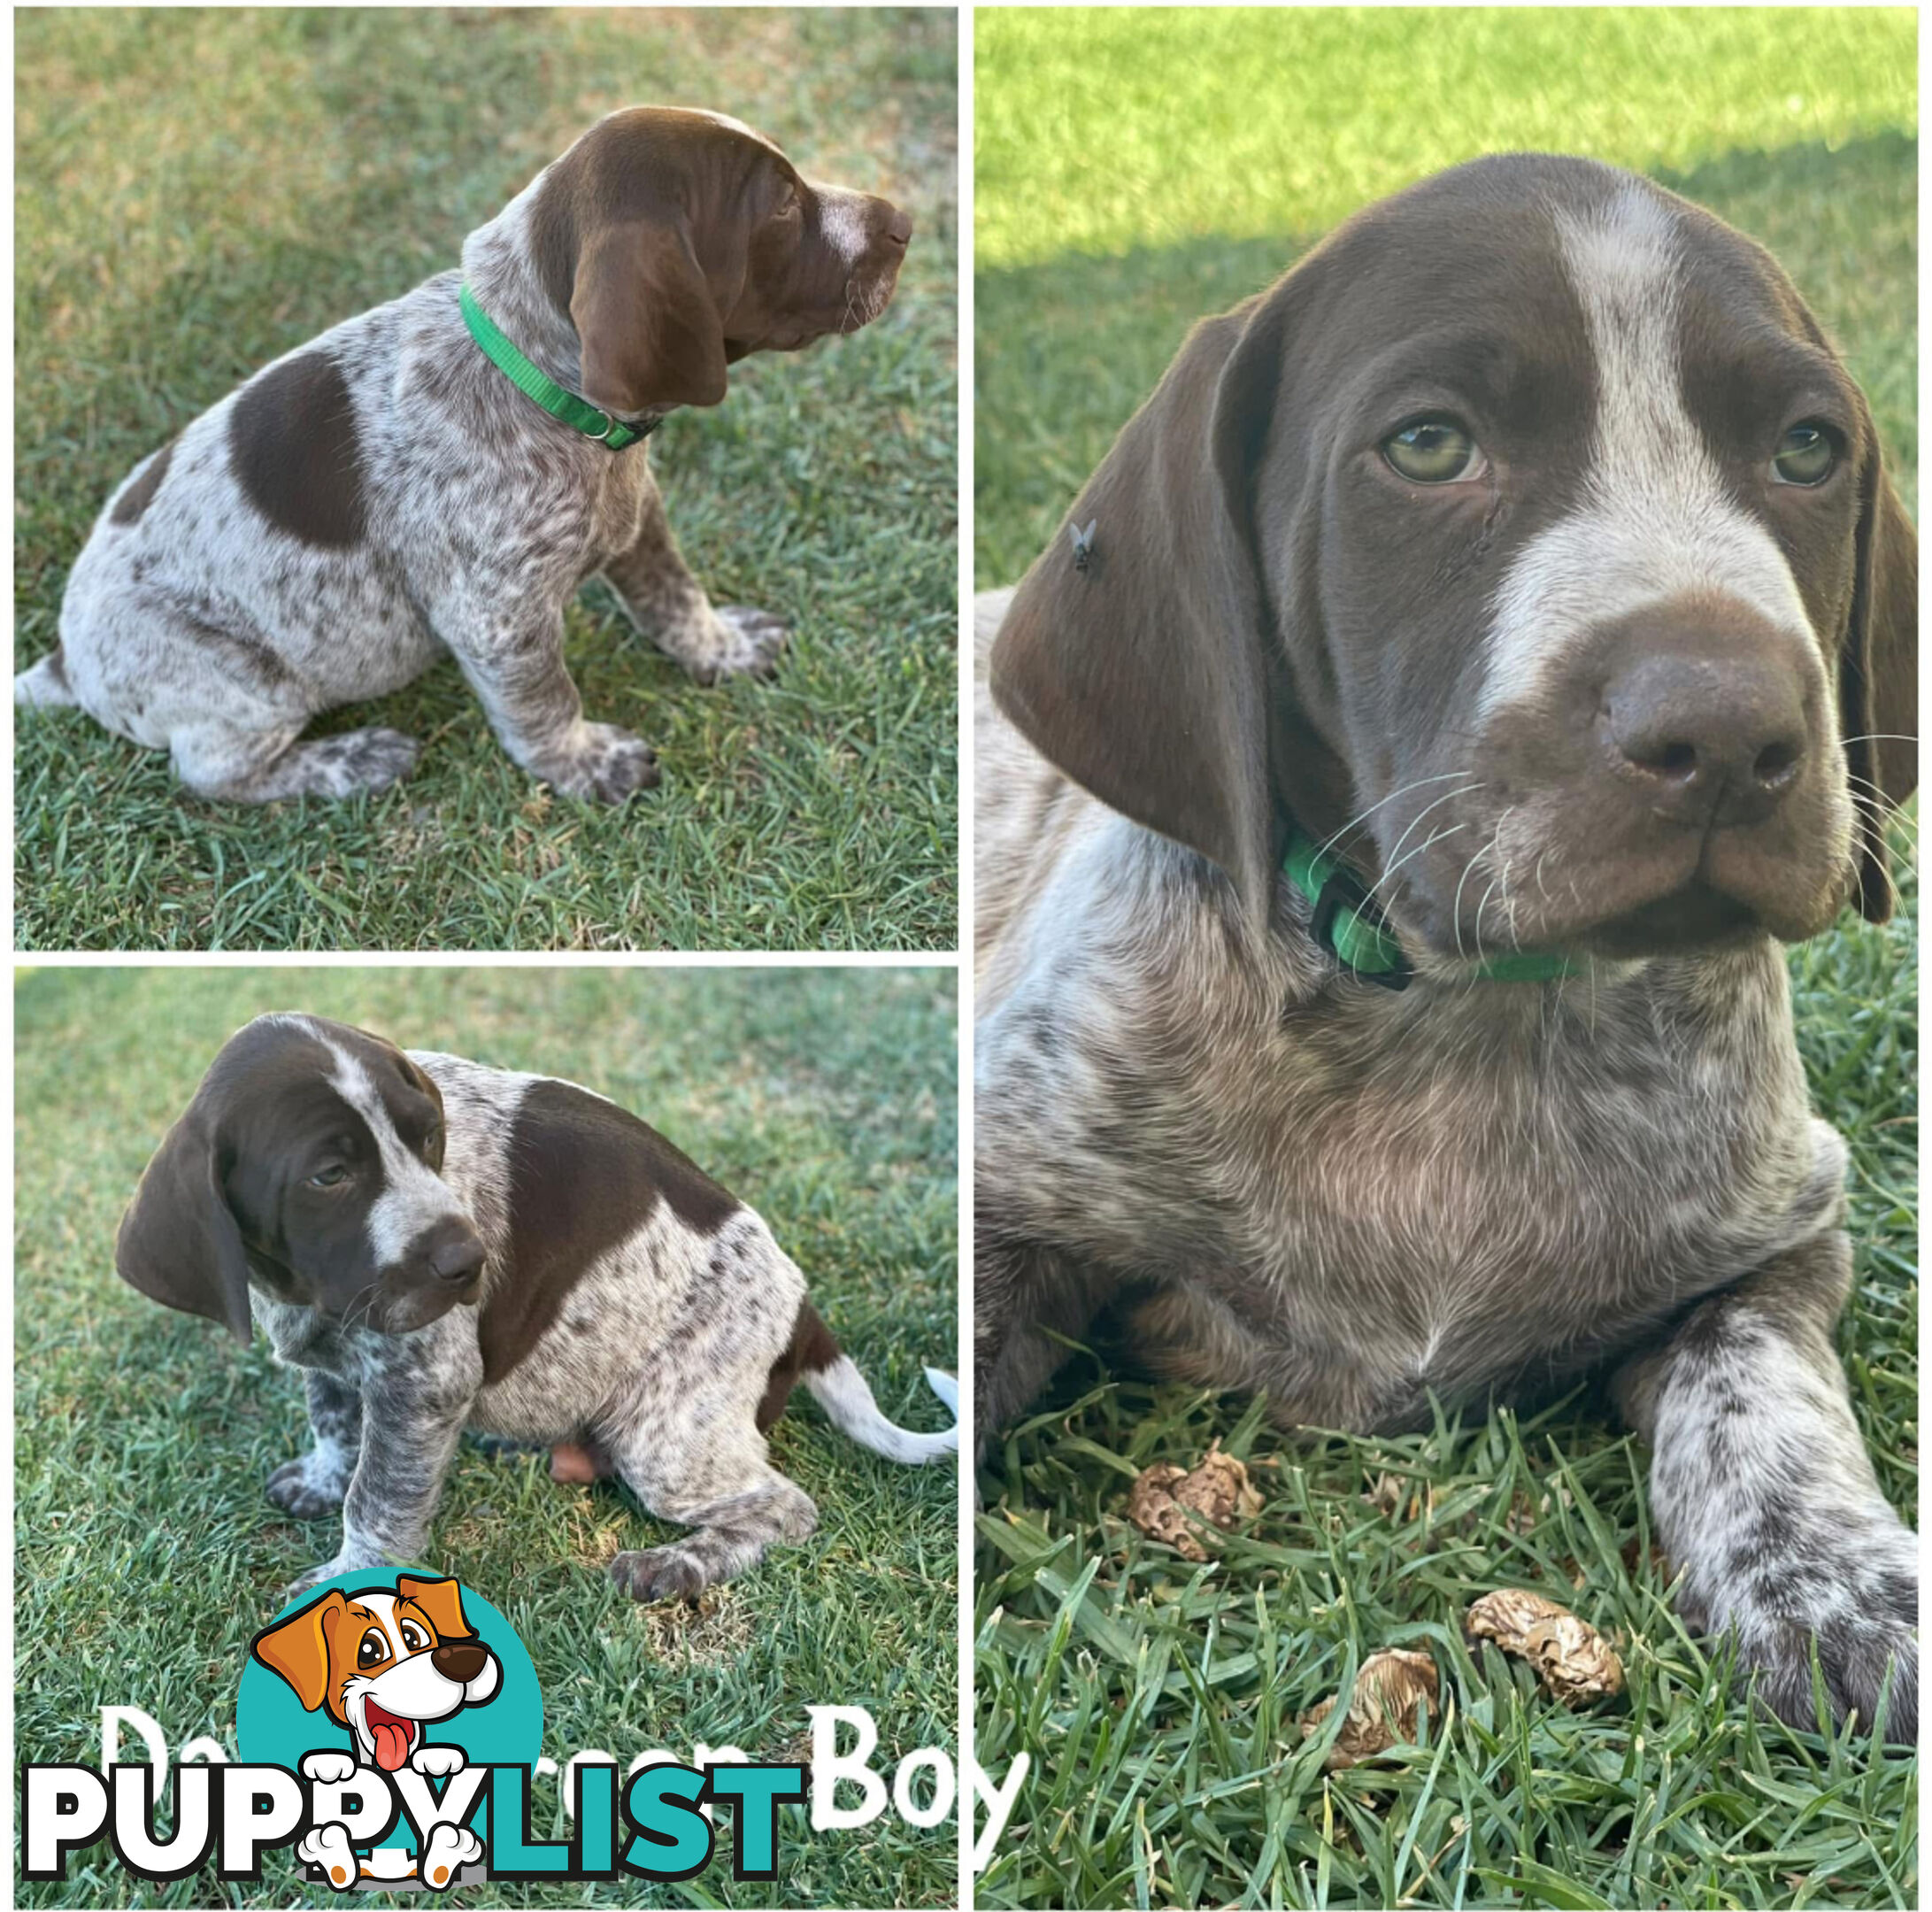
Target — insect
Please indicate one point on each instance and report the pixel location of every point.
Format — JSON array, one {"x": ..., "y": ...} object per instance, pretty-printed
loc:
[{"x": 1083, "y": 543}]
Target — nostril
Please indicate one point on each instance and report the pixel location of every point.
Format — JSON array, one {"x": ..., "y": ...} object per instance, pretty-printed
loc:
[
  {"x": 1676, "y": 761},
  {"x": 1775, "y": 764},
  {"x": 899, "y": 230},
  {"x": 457, "y": 1261}
]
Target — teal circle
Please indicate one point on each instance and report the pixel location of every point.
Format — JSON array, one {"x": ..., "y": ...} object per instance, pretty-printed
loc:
[{"x": 272, "y": 1729}]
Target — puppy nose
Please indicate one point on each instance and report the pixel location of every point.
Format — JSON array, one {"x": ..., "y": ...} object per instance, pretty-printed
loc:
[
  {"x": 458, "y": 1659},
  {"x": 899, "y": 228},
  {"x": 1708, "y": 730},
  {"x": 456, "y": 1255}
]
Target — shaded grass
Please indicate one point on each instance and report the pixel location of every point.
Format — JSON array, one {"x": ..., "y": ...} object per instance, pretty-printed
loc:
[
  {"x": 200, "y": 191},
  {"x": 147, "y": 1554},
  {"x": 1159, "y": 1700}
]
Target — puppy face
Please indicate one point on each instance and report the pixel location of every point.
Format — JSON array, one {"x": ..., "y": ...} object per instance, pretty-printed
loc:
[
  {"x": 308, "y": 1160},
  {"x": 1541, "y": 553},
  {"x": 681, "y": 241}
]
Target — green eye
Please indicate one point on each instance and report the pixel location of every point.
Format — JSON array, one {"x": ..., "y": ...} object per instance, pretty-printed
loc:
[
  {"x": 329, "y": 1178},
  {"x": 1432, "y": 451},
  {"x": 1805, "y": 455}
]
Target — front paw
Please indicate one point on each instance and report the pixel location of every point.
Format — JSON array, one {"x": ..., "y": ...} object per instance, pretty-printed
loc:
[
  {"x": 660, "y": 1573},
  {"x": 1857, "y": 1598},
  {"x": 339, "y": 1569},
  {"x": 307, "y": 1488},
  {"x": 747, "y": 643},
  {"x": 602, "y": 763}
]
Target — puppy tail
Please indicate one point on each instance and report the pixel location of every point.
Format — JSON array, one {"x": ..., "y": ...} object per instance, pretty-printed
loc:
[
  {"x": 840, "y": 1389},
  {"x": 45, "y": 682}
]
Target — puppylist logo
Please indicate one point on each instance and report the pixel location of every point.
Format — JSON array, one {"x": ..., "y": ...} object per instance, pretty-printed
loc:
[{"x": 388, "y": 1730}]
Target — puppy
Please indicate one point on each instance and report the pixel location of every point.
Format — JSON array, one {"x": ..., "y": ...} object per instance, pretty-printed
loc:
[
  {"x": 385, "y": 494},
  {"x": 1480, "y": 650},
  {"x": 441, "y": 1245}
]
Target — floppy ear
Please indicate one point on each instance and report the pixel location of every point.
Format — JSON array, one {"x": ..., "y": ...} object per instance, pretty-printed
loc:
[
  {"x": 1878, "y": 677},
  {"x": 298, "y": 1649},
  {"x": 178, "y": 1243},
  {"x": 441, "y": 1601},
  {"x": 650, "y": 332},
  {"x": 1143, "y": 673}
]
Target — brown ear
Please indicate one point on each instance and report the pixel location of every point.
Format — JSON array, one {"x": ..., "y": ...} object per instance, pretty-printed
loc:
[
  {"x": 178, "y": 1243},
  {"x": 1878, "y": 678},
  {"x": 650, "y": 332},
  {"x": 441, "y": 1601},
  {"x": 298, "y": 1649},
  {"x": 1143, "y": 673}
]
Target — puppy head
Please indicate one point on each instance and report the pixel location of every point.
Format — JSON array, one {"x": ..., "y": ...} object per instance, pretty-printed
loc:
[
  {"x": 679, "y": 242},
  {"x": 1530, "y": 535},
  {"x": 307, "y": 1162}
]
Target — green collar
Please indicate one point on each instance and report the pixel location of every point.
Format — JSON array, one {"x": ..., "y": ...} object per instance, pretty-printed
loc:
[
  {"x": 1355, "y": 932},
  {"x": 575, "y": 411}
]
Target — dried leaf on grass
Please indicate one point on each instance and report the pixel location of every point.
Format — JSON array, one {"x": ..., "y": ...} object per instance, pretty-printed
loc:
[
  {"x": 1575, "y": 1663},
  {"x": 1392, "y": 1692},
  {"x": 1219, "y": 1490}
]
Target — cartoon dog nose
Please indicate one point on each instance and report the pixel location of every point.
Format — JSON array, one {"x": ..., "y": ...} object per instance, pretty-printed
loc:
[
  {"x": 460, "y": 1660},
  {"x": 456, "y": 1255},
  {"x": 1709, "y": 730}
]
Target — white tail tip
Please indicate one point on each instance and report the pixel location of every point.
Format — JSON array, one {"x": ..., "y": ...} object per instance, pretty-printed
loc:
[{"x": 841, "y": 1390}]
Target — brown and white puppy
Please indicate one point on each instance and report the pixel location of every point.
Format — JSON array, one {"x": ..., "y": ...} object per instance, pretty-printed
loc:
[
  {"x": 384, "y": 496},
  {"x": 1529, "y": 544},
  {"x": 441, "y": 1245}
]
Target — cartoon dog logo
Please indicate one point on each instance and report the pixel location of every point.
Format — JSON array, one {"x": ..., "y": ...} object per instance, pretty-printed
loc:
[{"x": 384, "y": 1665}]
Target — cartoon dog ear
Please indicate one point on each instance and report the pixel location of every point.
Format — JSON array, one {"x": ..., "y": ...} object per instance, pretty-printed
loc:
[
  {"x": 441, "y": 1601},
  {"x": 1878, "y": 676},
  {"x": 298, "y": 1649},
  {"x": 178, "y": 1243}
]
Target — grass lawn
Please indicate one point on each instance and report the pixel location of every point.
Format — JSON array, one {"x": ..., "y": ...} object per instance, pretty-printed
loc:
[
  {"x": 148, "y": 1556},
  {"x": 1160, "y": 1700},
  {"x": 199, "y": 191}
]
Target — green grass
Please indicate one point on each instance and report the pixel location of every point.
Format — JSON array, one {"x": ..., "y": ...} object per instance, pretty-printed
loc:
[
  {"x": 1234, "y": 139},
  {"x": 1157, "y": 1699},
  {"x": 147, "y": 1554},
  {"x": 201, "y": 191}
]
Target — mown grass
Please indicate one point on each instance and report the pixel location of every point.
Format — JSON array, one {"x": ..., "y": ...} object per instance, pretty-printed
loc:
[
  {"x": 147, "y": 1554},
  {"x": 201, "y": 191},
  {"x": 1136, "y": 170}
]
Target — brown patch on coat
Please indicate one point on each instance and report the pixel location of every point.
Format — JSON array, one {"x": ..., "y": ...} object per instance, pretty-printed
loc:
[
  {"x": 293, "y": 442},
  {"x": 138, "y": 496},
  {"x": 812, "y": 1350},
  {"x": 584, "y": 1175}
]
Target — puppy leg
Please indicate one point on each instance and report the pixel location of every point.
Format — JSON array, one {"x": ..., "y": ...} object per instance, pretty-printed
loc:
[
  {"x": 313, "y": 1483},
  {"x": 1765, "y": 1499},
  {"x": 669, "y": 606},
  {"x": 713, "y": 1477},
  {"x": 1029, "y": 1301},
  {"x": 515, "y": 664},
  {"x": 410, "y": 1425},
  {"x": 217, "y": 759}
]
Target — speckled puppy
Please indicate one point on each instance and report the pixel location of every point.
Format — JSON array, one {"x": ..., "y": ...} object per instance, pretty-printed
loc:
[
  {"x": 439, "y": 1245},
  {"x": 385, "y": 494}
]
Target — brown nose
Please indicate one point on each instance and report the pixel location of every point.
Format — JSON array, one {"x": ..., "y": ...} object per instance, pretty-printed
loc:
[
  {"x": 1711, "y": 733},
  {"x": 899, "y": 228},
  {"x": 459, "y": 1660},
  {"x": 454, "y": 1253}
]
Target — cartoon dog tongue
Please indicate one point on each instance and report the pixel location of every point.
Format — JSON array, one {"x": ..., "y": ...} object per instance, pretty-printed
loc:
[{"x": 391, "y": 1736}]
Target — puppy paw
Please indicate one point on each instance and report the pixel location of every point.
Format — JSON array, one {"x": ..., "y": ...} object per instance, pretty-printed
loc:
[
  {"x": 746, "y": 643},
  {"x": 307, "y": 1487},
  {"x": 329, "y": 1847},
  {"x": 328, "y": 1768},
  {"x": 660, "y": 1573},
  {"x": 602, "y": 763},
  {"x": 447, "y": 1848},
  {"x": 1854, "y": 1592},
  {"x": 369, "y": 759},
  {"x": 436, "y": 1762},
  {"x": 339, "y": 1569}
]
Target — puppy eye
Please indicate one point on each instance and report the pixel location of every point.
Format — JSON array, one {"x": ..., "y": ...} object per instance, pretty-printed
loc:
[
  {"x": 329, "y": 1178},
  {"x": 433, "y": 1141},
  {"x": 371, "y": 1650},
  {"x": 1433, "y": 450},
  {"x": 413, "y": 1636},
  {"x": 1807, "y": 455}
]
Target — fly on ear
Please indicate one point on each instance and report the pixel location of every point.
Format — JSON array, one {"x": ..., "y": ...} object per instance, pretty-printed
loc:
[{"x": 1083, "y": 543}]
